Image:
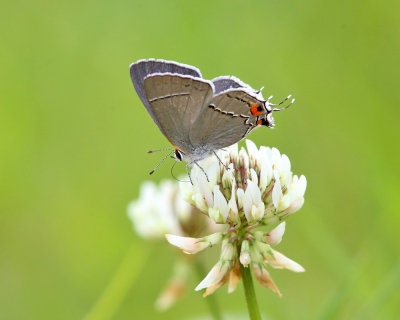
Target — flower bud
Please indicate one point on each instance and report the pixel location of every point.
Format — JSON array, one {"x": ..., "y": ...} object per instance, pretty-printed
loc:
[
  {"x": 245, "y": 258},
  {"x": 255, "y": 256},
  {"x": 274, "y": 237},
  {"x": 233, "y": 208},
  {"x": 194, "y": 245},
  {"x": 214, "y": 276},
  {"x": 228, "y": 251},
  {"x": 213, "y": 239},
  {"x": 200, "y": 203},
  {"x": 253, "y": 152},
  {"x": 187, "y": 244},
  {"x": 216, "y": 215},
  {"x": 263, "y": 248},
  {"x": 219, "y": 213},
  {"x": 228, "y": 179},
  {"x": 243, "y": 159}
]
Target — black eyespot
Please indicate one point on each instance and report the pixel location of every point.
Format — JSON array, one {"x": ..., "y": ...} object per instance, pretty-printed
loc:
[{"x": 259, "y": 108}]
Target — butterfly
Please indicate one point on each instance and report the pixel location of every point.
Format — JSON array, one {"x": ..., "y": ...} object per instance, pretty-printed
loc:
[{"x": 196, "y": 115}]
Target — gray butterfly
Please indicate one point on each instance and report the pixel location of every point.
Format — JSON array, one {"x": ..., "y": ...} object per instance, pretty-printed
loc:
[{"x": 198, "y": 116}]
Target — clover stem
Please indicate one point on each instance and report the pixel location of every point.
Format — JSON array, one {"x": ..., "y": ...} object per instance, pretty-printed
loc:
[{"x": 251, "y": 300}]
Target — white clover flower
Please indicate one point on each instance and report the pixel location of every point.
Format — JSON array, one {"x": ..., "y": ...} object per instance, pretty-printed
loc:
[
  {"x": 259, "y": 183},
  {"x": 160, "y": 209},
  {"x": 248, "y": 190}
]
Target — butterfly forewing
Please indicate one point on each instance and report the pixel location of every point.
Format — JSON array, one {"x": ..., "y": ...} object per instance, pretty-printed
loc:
[
  {"x": 142, "y": 68},
  {"x": 177, "y": 102}
]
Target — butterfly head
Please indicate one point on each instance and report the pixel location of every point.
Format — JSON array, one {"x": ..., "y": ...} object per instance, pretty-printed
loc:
[
  {"x": 268, "y": 121},
  {"x": 178, "y": 154}
]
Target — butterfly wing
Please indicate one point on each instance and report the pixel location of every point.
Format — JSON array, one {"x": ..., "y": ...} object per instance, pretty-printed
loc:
[
  {"x": 225, "y": 83},
  {"x": 192, "y": 112},
  {"x": 239, "y": 102},
  {"x": 142, "y": 68},
  {"x": 224, "y": 121},
  {"x": 235, "y": 90},
  {"x": 176, "y": 101}
]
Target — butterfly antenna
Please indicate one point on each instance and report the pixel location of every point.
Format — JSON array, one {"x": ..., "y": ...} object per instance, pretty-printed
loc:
[
  {"x": 151, "y": 151},
  {"x": 291, "y": 102},
  {"x": 152, "y": 171},
  {"x": 287, "y": 98},
  {"x": 259, "y": 91}
]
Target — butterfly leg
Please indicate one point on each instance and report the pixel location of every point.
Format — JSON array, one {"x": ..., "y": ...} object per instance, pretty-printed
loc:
[
  {"x": 226, "y": 167},
  {"x": 188, "y": 172},
  {"x": 201, "y": 168}
]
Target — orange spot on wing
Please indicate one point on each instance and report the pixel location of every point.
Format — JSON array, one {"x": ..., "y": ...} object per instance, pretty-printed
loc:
[
  {"x": 259, "y": 122},
  {"x": 254, "y": 109}
]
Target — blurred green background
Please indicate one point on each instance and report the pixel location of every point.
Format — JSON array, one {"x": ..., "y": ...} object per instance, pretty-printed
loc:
[{"x": 74, "y": 136}]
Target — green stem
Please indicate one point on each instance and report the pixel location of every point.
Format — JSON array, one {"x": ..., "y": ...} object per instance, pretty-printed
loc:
[
  {"x": 119, "y": 286},
  {"x": 250, "y": 294},
  {"x": 211, "y": 300}
]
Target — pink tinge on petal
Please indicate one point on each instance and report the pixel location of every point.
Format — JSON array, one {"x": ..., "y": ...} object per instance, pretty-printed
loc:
[
  {"x": 187, "y": 244},
  {"x": 280, "y": 261},
  {"x": 294, "y": 206},
  {"x": 274, "y": 237}
]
